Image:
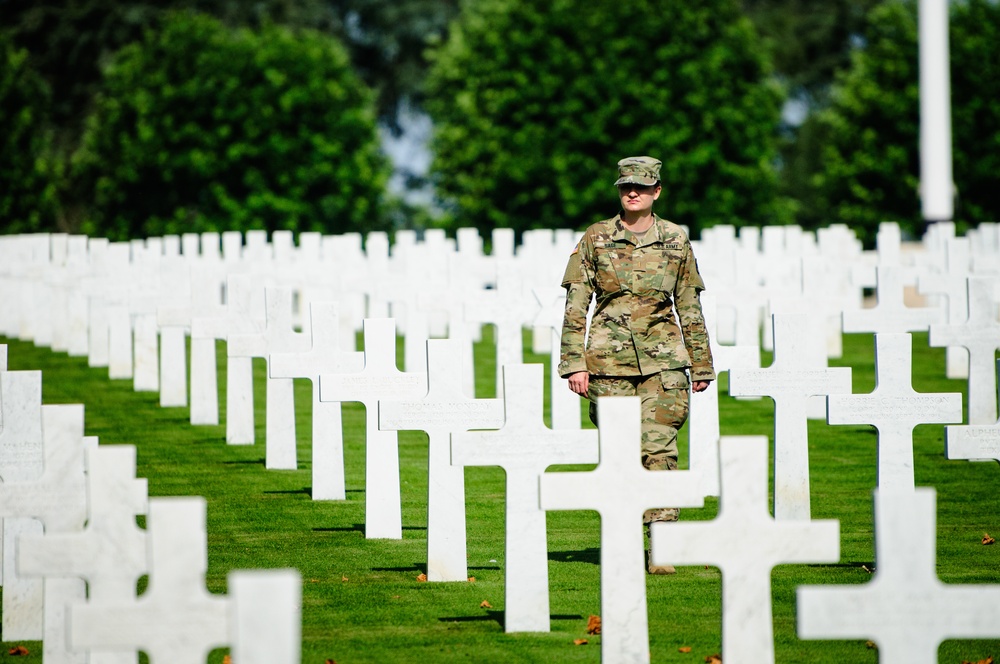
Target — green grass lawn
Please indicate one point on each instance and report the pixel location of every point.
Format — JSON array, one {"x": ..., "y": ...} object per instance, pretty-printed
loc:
[{"x": 362, "y": 601}]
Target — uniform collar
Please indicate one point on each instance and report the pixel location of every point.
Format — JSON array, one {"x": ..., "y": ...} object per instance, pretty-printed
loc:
[{"x": 655, "y": 233}]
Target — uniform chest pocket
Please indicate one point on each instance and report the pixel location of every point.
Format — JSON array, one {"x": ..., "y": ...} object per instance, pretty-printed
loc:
[
  {"x": 657, "y": 270},
  {"x": 605, "y": 264}
]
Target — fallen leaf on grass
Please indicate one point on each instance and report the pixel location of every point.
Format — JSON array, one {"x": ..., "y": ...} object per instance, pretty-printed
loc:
[
  {"x": 343, "y": 578},
  {"x": 871, "y": 645},
  {"x": 594, "y": 625},
  {"x": 684, "y": 649},
  {"x": 987, "y": 539},
  {"x": 227, "y": 659},
  {"x": 422, "y": 577},
  {"x": 714, "y": 659},
  {"x": 330, "y": 661},
  {"x": 579, "y": 642},
  {"x": 472, "y": 579},
  {"x": 17, "y": 651},
  {"x": 485, "y": 605},
  {"x": 313, "y": 580},
  {"x": 988, "y": 660}
]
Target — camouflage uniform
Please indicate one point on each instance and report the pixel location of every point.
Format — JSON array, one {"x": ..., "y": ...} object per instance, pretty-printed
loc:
[{"x": 635, "y": 347}]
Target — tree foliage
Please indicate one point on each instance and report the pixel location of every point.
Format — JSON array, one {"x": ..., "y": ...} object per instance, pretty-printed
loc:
[
  {"x": 204, "y": 127},
  {"x": 26, "y": 192},
  {"x": 809, "y": 41},
  {"x": 534, "y": 103},
  {"x": 870, "y": 157}
]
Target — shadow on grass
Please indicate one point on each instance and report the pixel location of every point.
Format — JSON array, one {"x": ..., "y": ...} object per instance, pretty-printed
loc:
[
  {"x": 592, "y": 556},
  {"x": 359, "y": 527},
  {"x": 416, "y": 567},
  {"x": 498, "y": 616},
  {"x": 244, "y": 462},
  {"x": 292, "y": 492}
]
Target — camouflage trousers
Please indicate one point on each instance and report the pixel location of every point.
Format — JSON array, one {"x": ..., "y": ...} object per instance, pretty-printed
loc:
[{"x": 665, "y": 401}]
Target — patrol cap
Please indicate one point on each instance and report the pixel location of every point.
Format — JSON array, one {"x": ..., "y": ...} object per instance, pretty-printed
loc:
[{"x": 638, "y": 170}]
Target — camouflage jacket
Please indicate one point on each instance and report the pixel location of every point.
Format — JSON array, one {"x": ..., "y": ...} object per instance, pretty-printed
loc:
[{"x": 638, "y": 285}]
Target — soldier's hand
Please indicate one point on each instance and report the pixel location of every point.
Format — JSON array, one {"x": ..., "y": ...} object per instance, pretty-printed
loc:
[
  {"x": 699, "y": 385},
  {"x": 579, "y": 382}
]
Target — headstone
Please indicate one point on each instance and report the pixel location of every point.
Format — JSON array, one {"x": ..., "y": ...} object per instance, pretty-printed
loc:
[
  {"x": 524, "y": 447},
  {"x": 445, "y": 410},
  {"x": 324, "y": 356},
  {"x": 564, "y": 405},
  {"x": 58, "y": 499},
  {"x": 905, "y": 609},
  {"x": 244, "y": 317},
  {"x": 22, "y": 457},
  {"x": 110, "y": 552},
  {"x": 278, "y": 337},
  {"x": 790, "y": 384},
  {"x": 974, "y": 441},
  {"x": 508, "y": 310},
  {"x": 176, "y": 620},
  {"x": 980, "y": 334},
  {"x": 208, "y": 324},
  {"x": 703, "y": 421},
  {"x": 173, "y": 317},
  {"x": 754, "y": 543},
  {"x": 266, "y": 616},
  {"x": 894, "y": 409},
  {"x": 379, "y": 381},
  {"x": 952, "y": 284},
  {"x": 891, "y": 314},
  {"x": 621, "y": 490}
]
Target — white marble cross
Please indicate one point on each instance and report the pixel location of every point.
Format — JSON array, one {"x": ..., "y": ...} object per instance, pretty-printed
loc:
[
  {"x": 891, "y": 314},
  {"x": 380, "y": 380},
  {"x": 324, "y": 356},
  {"x": 444, "y": 411},
  {"x": 110, "y": 552},
  {"x": 176, "y": 620},
  {"x": 22, "y": 457},
  {"x": 905, "y": 609},
  {"x": 564, "y": 405},
  {"x": 621, "y": 490},
  {"x": 58, "y": 499},
  {"x": 244, "y": 317},
  {"x": 703, "y": 422},
  {"x": 173, "y": 317},
  {"x": 754, "y": 542},
  {"x": 266, "y": 616},
  {"x": 524, "y": 447},
  {"x": 894, "y": 409},
  {"x": 278, "y": 337},
  {"x": 952, "y": 283},
  {"x": 504, "y": 307},
  {"x": 981, "y": 335},
  {"x": 208, "y": 318},
  {"x": 790, "y": 384},
  {"x": 974, "y": 441}
]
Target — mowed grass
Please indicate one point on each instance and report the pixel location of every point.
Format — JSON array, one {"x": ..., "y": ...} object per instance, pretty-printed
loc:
[{"x": 362, "y": 601}]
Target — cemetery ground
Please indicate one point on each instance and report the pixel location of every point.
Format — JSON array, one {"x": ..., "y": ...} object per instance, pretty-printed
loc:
[{"x": 363, "y": 600}]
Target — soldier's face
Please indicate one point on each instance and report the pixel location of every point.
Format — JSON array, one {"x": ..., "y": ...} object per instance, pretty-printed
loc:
[{"x": 638, "y": 198}]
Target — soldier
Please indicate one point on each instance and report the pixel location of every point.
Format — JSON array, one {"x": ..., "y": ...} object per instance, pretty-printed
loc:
[{"x": 641, "y": 270}]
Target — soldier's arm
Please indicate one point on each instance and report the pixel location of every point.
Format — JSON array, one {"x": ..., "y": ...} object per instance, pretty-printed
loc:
[
  {"x": 687, "y": 301},
  {"x": 579, "y": 284}
]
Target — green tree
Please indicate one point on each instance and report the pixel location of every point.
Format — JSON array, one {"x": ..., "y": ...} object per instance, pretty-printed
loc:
[
  {"x": 870, "y": 158},
  {"x": 808, "y": 41},
  {"x": 26, "y": 190},
  {"x": 206, "y": 127},
  {"x": 535, "y": 102}
]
